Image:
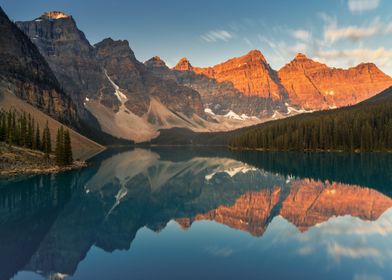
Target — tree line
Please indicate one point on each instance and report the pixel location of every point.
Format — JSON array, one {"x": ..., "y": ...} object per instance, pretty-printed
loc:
[
  {"x": 21, "y": 129},
  {"x": 366, "y": 127}
]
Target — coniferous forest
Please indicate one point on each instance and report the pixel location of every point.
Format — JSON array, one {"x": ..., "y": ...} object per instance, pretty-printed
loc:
[
  {"x": 365, "y": 127},
  {"x": 21, "y": 129}
]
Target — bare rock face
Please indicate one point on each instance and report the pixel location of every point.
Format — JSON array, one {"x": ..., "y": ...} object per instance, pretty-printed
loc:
[
  {"x": 71, "y": 57},
  {"x": 183, "y": 65},
  {"x": 139, "y": 84},
  {"x": 313, "y": 85},
  {"x": 25, "y": 73},
  {"x": 91, "y": 74},
  {"x": 250, "y": 74},
  {"x": 221, "y": 97}
]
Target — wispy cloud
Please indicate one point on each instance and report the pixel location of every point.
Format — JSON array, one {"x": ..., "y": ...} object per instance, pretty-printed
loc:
[
  {"x": 336, "y": 250},
  {"x": 365, "y": 276},
  {"x": 381, "y": 56},
  {"x": 334, "y": 33},
  {"x": 359, "y": 6},
  {"x": 220, "y": 252},
  {"x": 213, "y": 36},
  {"x": 248, "y": 42},
  {"x": 302, "y": 35}
]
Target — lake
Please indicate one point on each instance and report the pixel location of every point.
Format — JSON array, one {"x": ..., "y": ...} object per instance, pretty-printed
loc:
[{"x": 201, "y": 214}]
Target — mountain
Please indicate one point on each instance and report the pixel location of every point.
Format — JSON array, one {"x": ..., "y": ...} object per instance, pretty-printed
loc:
[
  {"x": 250, "y": 74},
  {"x": 313, "y": 85},
  {"x": 126, "y": 98},
  {"x": 26, "y": 74},
  {"x": 219, "y": 98},
  {"x": 248, "y": 85},
  {"x": 71, "y": 57},
  {"x": 28, "y": 84}
]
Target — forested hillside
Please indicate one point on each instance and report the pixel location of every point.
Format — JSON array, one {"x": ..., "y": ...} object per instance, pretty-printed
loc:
[{"x": 363, "y": 127}]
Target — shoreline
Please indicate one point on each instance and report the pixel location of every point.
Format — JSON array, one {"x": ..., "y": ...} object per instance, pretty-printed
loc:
[{"x": 26, "y": 170}]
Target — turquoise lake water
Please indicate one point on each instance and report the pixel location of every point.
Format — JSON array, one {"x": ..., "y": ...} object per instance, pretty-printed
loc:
[{"x": 201, "y": 214}]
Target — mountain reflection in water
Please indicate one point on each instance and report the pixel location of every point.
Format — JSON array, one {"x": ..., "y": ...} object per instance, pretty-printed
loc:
[{"x": 51, "y": 224}]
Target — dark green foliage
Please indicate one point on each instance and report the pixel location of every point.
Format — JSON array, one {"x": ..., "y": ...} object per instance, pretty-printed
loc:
[
  {"x": 63, "y": 151},
  {"x": 37, "y": 139},
  {"x": 46, "y": 141},
  {"x": 365, "y": 127},
  {"x": 59, "y": 150},
  {"x": 20, "y": 129}
]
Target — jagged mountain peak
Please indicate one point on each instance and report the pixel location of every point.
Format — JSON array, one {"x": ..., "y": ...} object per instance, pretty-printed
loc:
[
  {"x": 183, "y": 65},
  {"x": 256, "y": 55},
  {"x": 301, "y": 61},
  {"x": 116, "y": 48},
  {"x": 300, "y": 56},
  {"x": 110, "y": 41},
  {"x": 54, "y": 15},
  {"x": 155, "y": 62}
]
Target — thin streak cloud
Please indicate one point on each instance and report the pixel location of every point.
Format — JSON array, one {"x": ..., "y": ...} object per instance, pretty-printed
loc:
[{"x": 216, "y": 35}]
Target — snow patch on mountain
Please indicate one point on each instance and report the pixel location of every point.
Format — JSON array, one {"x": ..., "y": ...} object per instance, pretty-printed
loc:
[{"x": 120, "y": 96}]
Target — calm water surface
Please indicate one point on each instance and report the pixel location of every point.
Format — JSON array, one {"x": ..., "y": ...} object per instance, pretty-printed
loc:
[{"x": 202, "y": 214}]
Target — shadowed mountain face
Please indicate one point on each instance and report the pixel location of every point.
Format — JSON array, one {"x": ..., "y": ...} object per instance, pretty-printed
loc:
[
  {"x": 108, "y": 203},
  {"x": 26, "y": 74},
  {"x": 107, "y": 81}
]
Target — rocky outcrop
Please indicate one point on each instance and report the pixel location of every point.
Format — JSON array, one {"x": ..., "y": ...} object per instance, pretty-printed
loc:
[
  {"x": 111, "y": 88},
  {"x": 313, "y": 85},
  {"x": 220, "y": 97},
  {"x": 139, "y": 85},
  {"x": 25, "y": 73},
  {"x": 71, "y": 57},
  {"x": 303, "y": 83},
  {"x": 250, "y": 74}
]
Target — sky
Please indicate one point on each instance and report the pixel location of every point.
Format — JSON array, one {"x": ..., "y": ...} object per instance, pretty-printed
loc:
[{"x": 340, "y": 33}]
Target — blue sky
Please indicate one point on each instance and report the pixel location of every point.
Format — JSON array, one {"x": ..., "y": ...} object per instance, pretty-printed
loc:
[{"x": 341, "y": 33}]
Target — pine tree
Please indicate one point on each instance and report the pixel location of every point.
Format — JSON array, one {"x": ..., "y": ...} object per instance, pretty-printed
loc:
[
  {"x": 37, "y": 140},
  {"x": 68, "y": 158},
  {"x": 46, "y": 141},
  {"x": 59, "y": 150}
]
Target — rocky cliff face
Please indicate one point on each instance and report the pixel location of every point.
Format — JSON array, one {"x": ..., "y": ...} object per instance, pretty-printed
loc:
[
  {"x": 25, "y": 73},
  {"x": 250, "y": 74},
  {"x": 70, "y": 56},
  {"x": 314, "y": 85},
  {"x": 108, "y": 82},
  {"x": 219, "y": 97},
  {"x": 303, "y": 82},
  {"x": 139, "y": 85}
]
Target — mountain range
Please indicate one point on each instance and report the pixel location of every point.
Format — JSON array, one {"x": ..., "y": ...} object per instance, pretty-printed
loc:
[{"x": 105, "y": 89}]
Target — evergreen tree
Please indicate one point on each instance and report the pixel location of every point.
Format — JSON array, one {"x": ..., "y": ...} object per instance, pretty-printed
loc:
[
  {"x": 366, "y": 127},
  {"x": 37, "y": 141},
  {"x": 63, "y": 151},
  {"x": 68, "y": 157},
  {"x": 59, "y": 150},
  {"x": 46, "y": 141}
]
